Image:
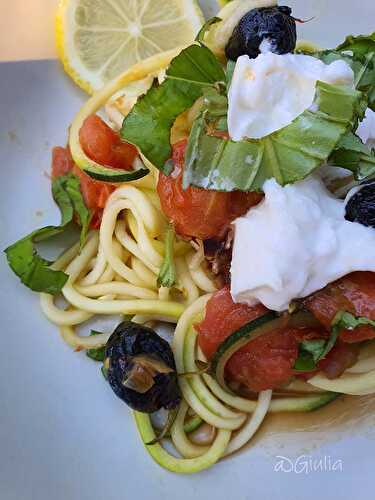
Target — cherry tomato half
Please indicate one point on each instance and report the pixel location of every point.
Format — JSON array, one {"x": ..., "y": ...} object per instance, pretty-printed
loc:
[{"x": 196, "y": 212}]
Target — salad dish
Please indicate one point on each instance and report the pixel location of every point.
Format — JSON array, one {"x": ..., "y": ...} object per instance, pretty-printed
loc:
[{"x": 225, "y": 187}]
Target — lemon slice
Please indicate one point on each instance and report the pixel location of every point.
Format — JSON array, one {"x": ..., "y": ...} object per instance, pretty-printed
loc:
[{"x": 99, "y": 39}]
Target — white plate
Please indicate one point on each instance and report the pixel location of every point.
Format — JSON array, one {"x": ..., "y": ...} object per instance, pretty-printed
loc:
[{"x": 63, "y": 434}]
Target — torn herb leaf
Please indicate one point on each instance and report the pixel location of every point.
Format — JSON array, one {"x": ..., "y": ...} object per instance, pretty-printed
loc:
[
  {"x": 149, "y": 123},
  {"x": 313, "y": 351},
  {"x": 229, "y": 73},
  {"x": 359, "y": 53},
  {"x": 73, "y": 189},
  {"x": 309, "y": 353},
  {"x": 352, "y": 154},
  {"x": 167, "y": 274},
  {"x": 347, "y": 321},
  {"x": 33, "y": 270},
  {"x": 359, "y": 46}
]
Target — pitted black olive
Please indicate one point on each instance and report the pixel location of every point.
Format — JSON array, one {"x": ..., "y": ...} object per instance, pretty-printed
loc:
[
  {"x": 141, "y": 368},
  {"x": 274, "y": 24},
  {"x": 361, "y": 206}
]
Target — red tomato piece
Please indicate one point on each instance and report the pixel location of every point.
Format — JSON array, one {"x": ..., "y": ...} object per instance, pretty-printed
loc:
[
  {"x": 199, "y": 212},
  {"x": 222, "y": 318},
  {"x": 354, "y": 293},
  {"x": 264, "y": 363},
  {"x": 62, "y": 161},
  {"x": 104, "y": 145},
  {"x": 95, "y": 193}
]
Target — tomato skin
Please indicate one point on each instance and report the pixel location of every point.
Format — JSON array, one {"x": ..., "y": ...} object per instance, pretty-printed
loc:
[
  {"x": 222, "y": 318},
  {"x": 355, "y": 293},
  {"x": 196, "y": 212},
  {"x": 104, "y": 146},
  {"x": 265, "y": 362},
  {"x": 95, "y": 193},
  {"x": 62, "y": 161}
]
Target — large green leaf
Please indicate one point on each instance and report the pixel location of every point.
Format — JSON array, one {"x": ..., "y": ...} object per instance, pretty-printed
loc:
[
  {"x": 149, "y": 123},
  {"x": 33, "y": 270},
  {"x": 352, "y": 154},
  {"x": 359, "y": 53},
  {"x": 288, "y": 155},
  {"x": 359, "y": 46}
]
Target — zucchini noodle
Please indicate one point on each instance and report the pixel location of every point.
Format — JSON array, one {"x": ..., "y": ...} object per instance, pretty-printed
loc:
[
  {"x": 116, "y": 270},
  {"x": 358, "y": 380}
]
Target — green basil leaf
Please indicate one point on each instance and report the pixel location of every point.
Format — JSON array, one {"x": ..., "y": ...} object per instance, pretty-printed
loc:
[
  {"x": 97, "y": 354},
  {"x": 62, "y": 200},
  {"x": 198, "y": 65},
  {"x": 31, "y": 268},
  {"x": 73, "y": 189},
  {"x": 167, "y": 274},
  {"x": 318, "y": 349},
  {"x": 309, "y": 353},
  {"x": 305, "y": 362},
  {"x": 230, "y": 70},
  {"x": 314, "y": 347},
  {"x": 215, "y": 103},
  {"x": 360, "y": 45},
  {"x": 352, "y": 154},
  {"x": 359, "y": 53},
  {"x": 149, "y": 123},
  {"x": 364, "y": 71},
  {"x": 347, "y": 321},
  {"x": 288, "y": 155}
]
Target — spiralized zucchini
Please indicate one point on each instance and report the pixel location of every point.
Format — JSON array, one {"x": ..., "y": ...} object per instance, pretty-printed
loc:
[
  {"x": 224, "y": 411},
  {"x": 116, "y": 273}
]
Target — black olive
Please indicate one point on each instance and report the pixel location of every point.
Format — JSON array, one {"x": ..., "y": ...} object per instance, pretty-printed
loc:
[
  {"x": 141, "y": 368},
  {"x": 361, "y": 206},
  {"x": 274, "y": 24}
]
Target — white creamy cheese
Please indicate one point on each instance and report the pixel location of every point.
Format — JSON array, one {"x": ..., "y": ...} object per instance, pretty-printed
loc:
[
  {"x": 366, "y": 129},
  {"x": 269, "y": 92},
  {"x": 294, "y": 243}
]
